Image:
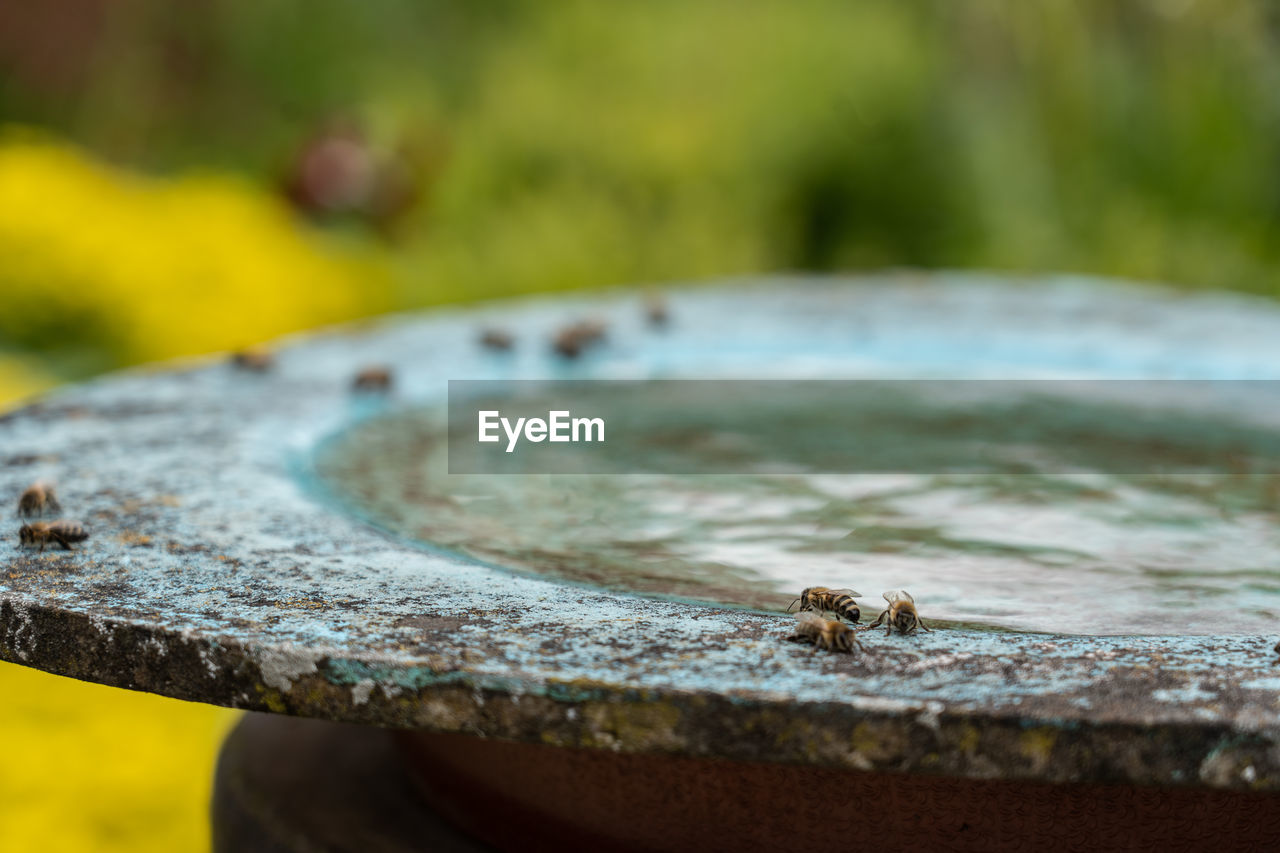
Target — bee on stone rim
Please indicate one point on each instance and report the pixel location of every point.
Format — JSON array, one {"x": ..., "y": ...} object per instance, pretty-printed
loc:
[
  {"x": 257, "y": 359},
  {"x": 823, "y": 600},
  {"x": 373, "y": 378},
  {"x": 44, "y": 533},
  {"x": 901, "y": 614},
  {"x": 497, "y": 339},
  {"x": 655, "y": 310},
  {"x": 827, "y": 634},
  {"x": 38, "y": 499},
  {"x": 571, "y": 340}
]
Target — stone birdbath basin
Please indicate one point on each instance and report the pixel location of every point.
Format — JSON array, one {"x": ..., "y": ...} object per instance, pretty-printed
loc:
[{"x": 268, "y": 540}]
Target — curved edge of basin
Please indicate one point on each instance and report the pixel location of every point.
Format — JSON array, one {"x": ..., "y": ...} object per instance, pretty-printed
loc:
[{"x": 213, "y": 576}]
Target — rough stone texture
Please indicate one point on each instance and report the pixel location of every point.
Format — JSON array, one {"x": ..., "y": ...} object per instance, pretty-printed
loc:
[{"x": 216, "y": 574}]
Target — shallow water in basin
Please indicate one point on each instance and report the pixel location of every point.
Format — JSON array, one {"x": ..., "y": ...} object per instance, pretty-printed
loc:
[{"x": 1046, "y": 539}]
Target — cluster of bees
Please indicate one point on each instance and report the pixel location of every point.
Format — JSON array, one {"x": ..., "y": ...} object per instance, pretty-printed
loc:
[
  {"x": 40, "y": 499},
  {"x": 834, "y": 635},
  {"x": 569, "y": 342},
  {"x": 574, "y": 339}
]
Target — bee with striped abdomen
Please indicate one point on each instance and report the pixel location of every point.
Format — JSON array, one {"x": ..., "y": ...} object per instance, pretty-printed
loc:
[
  {"x": 827, "y": 634},
  {"x": 901, "y": 613},
  {"x": 38, "y": 499},
  {"x": 824, "y": 600},
  {"x": 44, "y": 533}
]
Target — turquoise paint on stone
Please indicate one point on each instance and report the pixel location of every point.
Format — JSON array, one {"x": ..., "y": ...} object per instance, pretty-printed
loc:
[{"x": 219, "y": 570}]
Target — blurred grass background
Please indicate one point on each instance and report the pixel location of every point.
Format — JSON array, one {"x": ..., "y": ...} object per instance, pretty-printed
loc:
[{"x": 180, "y": 179}]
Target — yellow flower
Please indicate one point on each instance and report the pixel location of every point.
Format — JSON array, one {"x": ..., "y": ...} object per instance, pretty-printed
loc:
[{"x": 150, "y": 268}]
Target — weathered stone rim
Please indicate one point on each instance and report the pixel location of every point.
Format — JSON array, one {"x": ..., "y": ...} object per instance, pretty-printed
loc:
[{"x": 214, "y": 577}]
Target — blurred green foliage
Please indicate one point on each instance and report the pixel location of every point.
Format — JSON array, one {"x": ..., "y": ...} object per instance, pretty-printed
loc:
[{"x": 584, "y": 144}]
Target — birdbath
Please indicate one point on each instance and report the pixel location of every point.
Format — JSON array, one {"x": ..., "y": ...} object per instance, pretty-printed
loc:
[{"x": 273, "y": 540}]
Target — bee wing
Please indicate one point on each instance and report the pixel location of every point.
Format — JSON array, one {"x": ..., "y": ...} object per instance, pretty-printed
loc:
[
  {"x": 847, "y": 592},
  {"x": 808, "y": 617},
  {"x": 898, "y": 595}
]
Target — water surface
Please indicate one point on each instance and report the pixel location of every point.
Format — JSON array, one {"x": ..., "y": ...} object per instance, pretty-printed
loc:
[{"x": 1092, "y": 536}]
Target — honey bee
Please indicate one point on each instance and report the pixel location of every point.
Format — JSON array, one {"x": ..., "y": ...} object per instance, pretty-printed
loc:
[
  {"x": 655, "y": 310},
  {"x": 376, "y": 378},
  {"x": 497, "y": 339},
  {"x": 827, "y": 634},
  {"x": 823, "y": 600},
  {"x": 574, "y": 338},
  {"x": 900, "y": 613},
  {"x": 256, "y": 359},
  {"x": 38, "y": 499},
  {"x": 52, "y": 533}
]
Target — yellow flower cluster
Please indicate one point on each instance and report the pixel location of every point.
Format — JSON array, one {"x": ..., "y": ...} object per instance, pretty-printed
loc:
[
  {"x": 137, "y": 269},
  {"x": 20, "y": 378},
  {"x": 96, "y": 768},
  {"x": 148, "y": 268}
]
